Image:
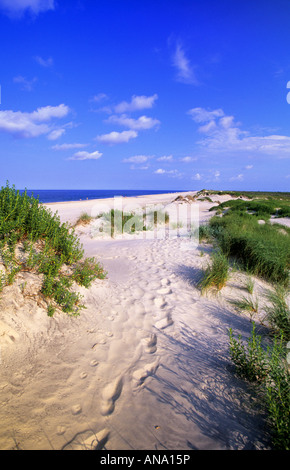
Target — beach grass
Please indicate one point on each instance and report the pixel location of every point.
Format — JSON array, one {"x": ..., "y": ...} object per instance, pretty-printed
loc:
[
  {"x": 216, "y": 274},
  {"x": 47, "y": 247},
  {"x": 83, "y": 219},
  {"x": 268, "y": 370},
  {"x": 262, "y": 250}
]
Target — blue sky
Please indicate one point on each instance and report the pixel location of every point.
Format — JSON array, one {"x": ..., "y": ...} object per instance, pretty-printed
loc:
[{"x": 100, "y": 94}]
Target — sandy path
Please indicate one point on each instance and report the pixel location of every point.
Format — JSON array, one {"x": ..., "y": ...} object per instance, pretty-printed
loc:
[{"x": 145, "y": 366}]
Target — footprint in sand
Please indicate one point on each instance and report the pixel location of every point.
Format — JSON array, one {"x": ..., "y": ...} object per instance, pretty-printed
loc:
[
  {"x": 148, "y": 370},
  {"x": 150, "y": 344},
  {"x": 92, "y": 442},
  {"x": 164, "y": 322},
  {"x": 110, "y": 394},
  {"x": 164, "y": 291},
  {"x": 76, "y": 409},
  {"x": 94, "y": 363},
  {"x": 160, "y": 302}
]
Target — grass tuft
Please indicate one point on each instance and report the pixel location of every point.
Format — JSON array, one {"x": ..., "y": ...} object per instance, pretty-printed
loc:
[{"x": 216, "y": 274}]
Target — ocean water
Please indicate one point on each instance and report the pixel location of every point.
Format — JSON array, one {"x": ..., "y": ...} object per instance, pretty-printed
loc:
[{"x": 63, "y": 195}]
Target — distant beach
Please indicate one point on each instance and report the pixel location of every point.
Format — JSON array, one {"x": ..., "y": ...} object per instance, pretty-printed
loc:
[{"x": 71, "y": 195}]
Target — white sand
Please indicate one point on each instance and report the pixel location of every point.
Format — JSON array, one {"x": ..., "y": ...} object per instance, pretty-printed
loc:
[{"x": 145, "y": 366}]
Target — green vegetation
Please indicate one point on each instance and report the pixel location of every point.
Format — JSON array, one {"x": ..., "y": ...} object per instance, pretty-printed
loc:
[
  {"x": 248, "y": 194},
  {"x": 84, "y": 219},
  {"x": 260, "y": 249},
  {"x": 216, "y": 274},
  {"x": 261, "y": 208},
  {"x": 268, "y": 370},
  {"x": 33, "y": 239},
  {"x": 248, "y": 304},
  {"x": 278, "y": 312},
  {"x": 122, "y": 222},
  {"x": 250, "y": 285}
]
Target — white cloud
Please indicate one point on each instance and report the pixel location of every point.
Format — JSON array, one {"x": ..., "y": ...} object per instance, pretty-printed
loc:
[
  {"x": 165, "y": 158},
  {"x": 18, "y": 7},
  {"x": 99, "y": 97},
  {"x": 185, "y": 72},
  {"x": 44, "y": 62},
  {"x": 222, "y": 133},
  {"x": 237, "y": 178},
  {"x": 188, "y": 159},
  {"x": 137, "y": 159},
  {"x": 46, "y": 113},
  {"x": 197, "y": 177},
  {"x": 134, "y": 167},
  {"x": 68, "y": 146},
  {"x": 83, "y": 155},
  {"x": 203, "y": 115},
  {"x": 117, "y": 137},
  {"x": 174, "y": 173},
  {"x": 143, "y": 122},
  {"x": 249, "y": 167},
  {"x": 27, "y": 125},
  {"x": 26, "y": 84},
  {"x": 56, "y": 134},
  {"x": 136, "y": 104}
]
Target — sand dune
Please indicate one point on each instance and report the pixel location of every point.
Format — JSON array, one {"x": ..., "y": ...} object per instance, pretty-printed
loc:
[{"x": 145, "y": 366}]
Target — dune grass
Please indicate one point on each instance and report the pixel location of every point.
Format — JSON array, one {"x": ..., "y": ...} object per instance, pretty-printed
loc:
[
  {"x": 261, "y": 249},
  {"x": 248, "y": 304},
  {"x": 83, "y": 219},
  {"x": 216, "y": 274},
  {"x": 261, "y": 208},
  {"x": 33, "y": 239},
  {"x": 129, "y": 222},
  {"x": 268, "y": 370},
  {"x": 278, "y": 312}
]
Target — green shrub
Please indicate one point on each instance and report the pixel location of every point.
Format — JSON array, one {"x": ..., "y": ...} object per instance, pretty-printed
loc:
[{"x": 88, "y": 270}]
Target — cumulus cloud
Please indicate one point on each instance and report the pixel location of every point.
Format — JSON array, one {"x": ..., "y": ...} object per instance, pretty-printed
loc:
[
  {"x": 143, "y": 122},
  {"x": 222, "y": 133},
  {"x": 136, "y": 104},
  {"x": 83, "y": 155},
  {"x": 28, "y": 125},
  {"x": 197, "y": 177},
  {"x": 117, "y": 137},
  {"x": 18, "y": 7},
  {"x": 203, "y": 115}
]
